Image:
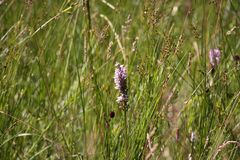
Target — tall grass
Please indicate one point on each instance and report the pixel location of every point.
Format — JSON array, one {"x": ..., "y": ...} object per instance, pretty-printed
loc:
[{"x": 57, "y": 89}]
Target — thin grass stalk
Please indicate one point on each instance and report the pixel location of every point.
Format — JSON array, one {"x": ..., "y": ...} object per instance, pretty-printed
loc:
[{"x": 90, "y": 59}]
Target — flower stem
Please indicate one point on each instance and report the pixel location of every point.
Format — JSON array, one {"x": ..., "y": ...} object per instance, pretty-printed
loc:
[{"x": 126, "y": 133}]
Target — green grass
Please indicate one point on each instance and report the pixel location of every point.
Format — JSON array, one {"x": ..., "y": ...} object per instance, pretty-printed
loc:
[{"x": 57, "y": 62}]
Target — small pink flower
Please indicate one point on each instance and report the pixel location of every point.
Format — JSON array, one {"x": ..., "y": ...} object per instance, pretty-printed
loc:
[
  {"x": 120, "y": 79},
  {"x": 214, "y": 57}
]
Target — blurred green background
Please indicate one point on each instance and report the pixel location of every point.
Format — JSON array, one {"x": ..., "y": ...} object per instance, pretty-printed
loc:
[{"x": 57, "y": 61}]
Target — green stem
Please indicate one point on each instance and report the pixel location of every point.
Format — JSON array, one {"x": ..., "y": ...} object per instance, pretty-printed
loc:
[{"x": 126, "y": 132}]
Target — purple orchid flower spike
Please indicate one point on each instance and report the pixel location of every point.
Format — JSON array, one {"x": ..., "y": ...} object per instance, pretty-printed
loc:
[
  {"x": 120, "y": 79},
  {"x": 214, "y": 57}
]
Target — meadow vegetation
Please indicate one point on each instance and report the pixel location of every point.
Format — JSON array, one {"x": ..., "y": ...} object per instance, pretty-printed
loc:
[{"x": 58, "y": 98}]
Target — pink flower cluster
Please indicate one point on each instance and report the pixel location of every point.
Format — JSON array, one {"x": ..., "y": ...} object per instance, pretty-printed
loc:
[
  {"x": 214, "y": 57},
  {"x": 120, "y": 79}
]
